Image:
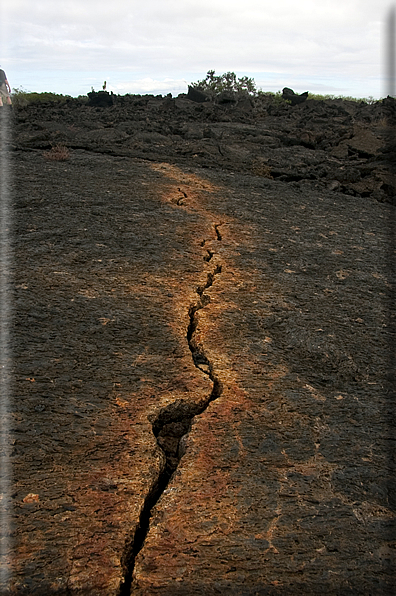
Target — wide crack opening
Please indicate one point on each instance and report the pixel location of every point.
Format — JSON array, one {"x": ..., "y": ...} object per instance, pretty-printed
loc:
[{"x": 170, "y": 426}]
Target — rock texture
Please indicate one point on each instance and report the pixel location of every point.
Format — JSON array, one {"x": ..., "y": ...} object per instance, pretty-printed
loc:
[
  {"x": 341, "y": 145},
  {"x": 294, "y": 98},
  {"x": 283, "y": 489},
  {"x": 202, "y": 390}
]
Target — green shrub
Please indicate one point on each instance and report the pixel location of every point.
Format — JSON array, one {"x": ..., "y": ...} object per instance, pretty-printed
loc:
[
  {"x": 21, "y": 98},
  {"x": 369, "y": 100},
  {"x": 214, "y": 84},
  {"x": 276, "y": 97}
]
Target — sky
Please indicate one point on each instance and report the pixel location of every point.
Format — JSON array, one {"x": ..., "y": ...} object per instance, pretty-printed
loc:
[{"x": 333, "y": 47}]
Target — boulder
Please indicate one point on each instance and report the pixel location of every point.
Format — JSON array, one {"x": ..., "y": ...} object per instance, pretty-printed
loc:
[
  {"x": 100, "y": 99},
  {"x": 196, "y": 95},
  {"x": 293, "y": 97}
]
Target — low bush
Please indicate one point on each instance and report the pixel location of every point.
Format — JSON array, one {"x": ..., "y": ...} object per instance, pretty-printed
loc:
[
  {"x": 21, "y": 98},
  {"x": 214, "y": 84},
  {"x": 369, "y": 100},
  {"x": 278, "y": 97},
  {"x": 57, "y": 153}
]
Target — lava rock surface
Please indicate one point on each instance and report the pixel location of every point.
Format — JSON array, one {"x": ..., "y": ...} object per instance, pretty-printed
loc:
[
  {"x": 202, "y": 377},
  {"x": 341, "y": 145}
]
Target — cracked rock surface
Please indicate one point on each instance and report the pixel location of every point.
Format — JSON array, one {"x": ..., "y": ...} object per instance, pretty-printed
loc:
[
  {"x": 201, "y": 395},
  {"x": 285, "y": 486}
]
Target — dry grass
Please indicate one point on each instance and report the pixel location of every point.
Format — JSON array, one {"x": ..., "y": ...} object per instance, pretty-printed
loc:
[{"x": 57, "y": 153}]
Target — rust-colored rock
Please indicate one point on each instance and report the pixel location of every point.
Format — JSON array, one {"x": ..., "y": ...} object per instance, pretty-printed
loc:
[{"x": 280, "y": 489}]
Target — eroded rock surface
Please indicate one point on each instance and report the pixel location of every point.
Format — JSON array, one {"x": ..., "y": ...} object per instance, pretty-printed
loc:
[{"x": 202, "y": 375}]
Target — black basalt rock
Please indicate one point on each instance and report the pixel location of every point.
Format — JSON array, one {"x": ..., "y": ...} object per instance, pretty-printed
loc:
[
  {"x": 100, "y": 99},
  {"x": 294, "y": 98},
  {"x": 196, "y": 95}
]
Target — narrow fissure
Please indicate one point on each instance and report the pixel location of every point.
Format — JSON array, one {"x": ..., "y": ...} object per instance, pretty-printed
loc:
[
  {"x": 218, "y": 234},
  {"x": 173, "y": 423},
  {"x": 180, "y": 201}
]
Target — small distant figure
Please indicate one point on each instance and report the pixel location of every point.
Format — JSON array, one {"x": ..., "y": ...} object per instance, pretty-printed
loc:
[
  {"x": 5, "y": 89},
  {"x": 104, "y": 86}
]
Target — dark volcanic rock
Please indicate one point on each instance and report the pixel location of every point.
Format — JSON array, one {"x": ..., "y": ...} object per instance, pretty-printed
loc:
[
  {"x": 201, "y": 395},
  {"x": 293, "y": 97},
  {"x": 336, "y": 136},
  {"x": 100, "y": 99},
  {"x": 226, "y": 97},
  {"x": 196, "y": 95}
]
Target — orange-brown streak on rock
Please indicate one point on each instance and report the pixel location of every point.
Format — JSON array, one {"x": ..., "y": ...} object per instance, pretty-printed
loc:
[
  {"x": 208, "y": 443},
  {"x": 191, "y": 386},
  {"x": 193, "y": 188},
  {"x": 113, "y": 498}
]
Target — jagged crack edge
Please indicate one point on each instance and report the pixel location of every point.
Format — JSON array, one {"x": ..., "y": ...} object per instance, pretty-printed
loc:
[
  {"x": 218, "y": 234},
  {"x": 177, "y": 412}
]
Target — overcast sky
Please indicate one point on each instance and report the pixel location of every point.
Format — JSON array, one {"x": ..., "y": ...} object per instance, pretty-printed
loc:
[{"x": 159, "y": 46}]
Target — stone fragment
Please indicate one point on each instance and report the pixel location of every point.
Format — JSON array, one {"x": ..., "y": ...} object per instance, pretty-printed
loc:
[
  {"x": 291, "y": 96},
  {"x": 31, "y": 498},
  {"x": 196, "y": 95}
]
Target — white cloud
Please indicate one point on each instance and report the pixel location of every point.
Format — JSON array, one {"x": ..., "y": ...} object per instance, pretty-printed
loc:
[
  {"x": 149, "y": 85},
  {"x": 156, "y": 39}
]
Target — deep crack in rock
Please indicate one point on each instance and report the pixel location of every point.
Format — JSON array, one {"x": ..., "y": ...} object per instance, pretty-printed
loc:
[
  {"x": 209, "y": 256},
  {"x": 172, "y": 424},
  {"x": 218, "y": 234}
]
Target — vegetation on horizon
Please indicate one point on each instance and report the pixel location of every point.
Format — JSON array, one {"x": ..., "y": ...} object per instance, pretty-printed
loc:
[
  {"x": 370, "y": 100},
  {"x": 21, "y": 97},
  {"x": 212, "y": 85}
]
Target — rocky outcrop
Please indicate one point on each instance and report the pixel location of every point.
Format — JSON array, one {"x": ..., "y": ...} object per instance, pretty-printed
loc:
[
  {"x": 294, "y": 98},
  {"x": 197, "y": 95},
  {"x": 100, "y": 99},
  {"x": 316, "y": 142}
]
